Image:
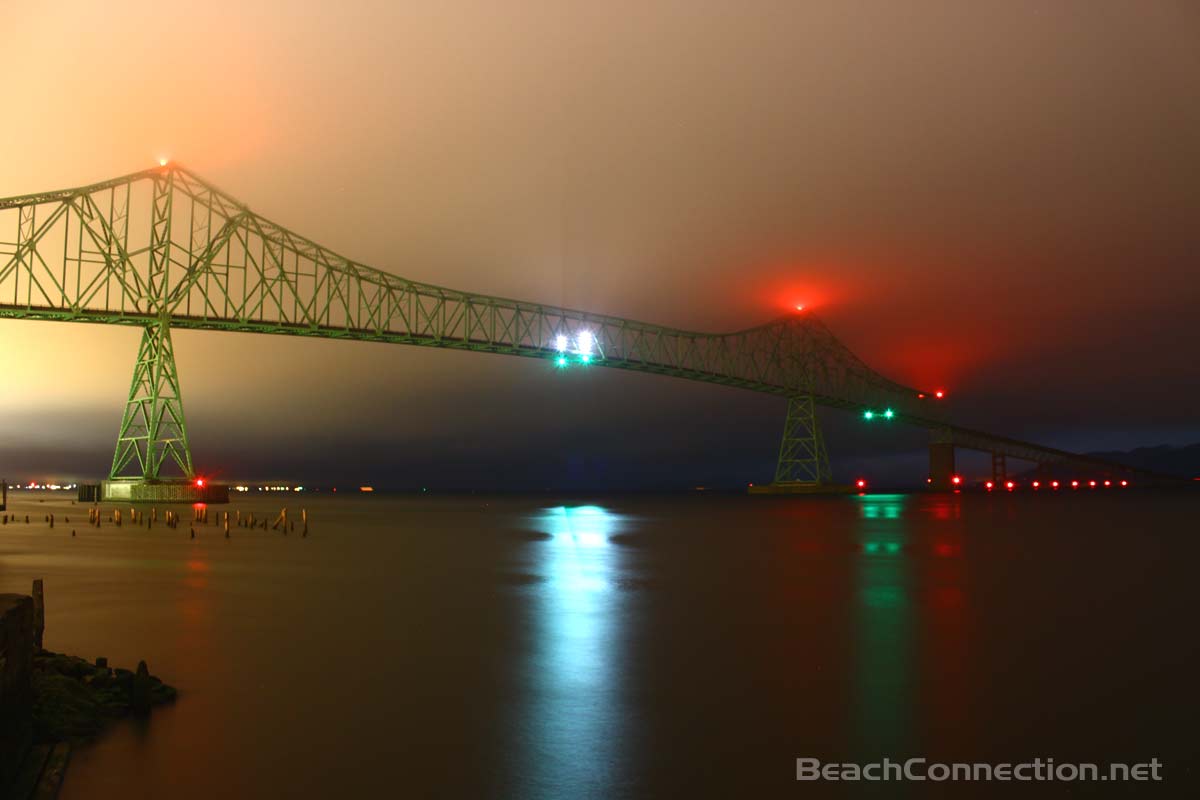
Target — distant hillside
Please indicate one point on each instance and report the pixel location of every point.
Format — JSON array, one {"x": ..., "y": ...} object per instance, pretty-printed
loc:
[{"x": 1183, "y": 461}]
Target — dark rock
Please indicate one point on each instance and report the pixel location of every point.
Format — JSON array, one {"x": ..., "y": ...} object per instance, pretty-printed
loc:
[{"x": 66, "y": 709}]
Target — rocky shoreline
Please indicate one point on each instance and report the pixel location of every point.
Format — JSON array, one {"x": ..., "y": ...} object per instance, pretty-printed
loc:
[
  {"x": 73, "y": 700},
  {"x": 50, "y": 701}
]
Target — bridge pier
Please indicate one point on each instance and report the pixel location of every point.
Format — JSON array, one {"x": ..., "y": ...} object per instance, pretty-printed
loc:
[
  {"x": 941, "y": 466},
  {"x": 999, "y": 468},
  {"x": 803, "y": 466},
  {"x": 802, "y": 456},
  {"x": 153, "y": 427},
  {"x": 154, "y": 435}
]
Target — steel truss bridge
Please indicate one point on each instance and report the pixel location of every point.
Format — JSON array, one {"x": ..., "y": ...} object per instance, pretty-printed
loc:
[{"x": 163, "y": 249}]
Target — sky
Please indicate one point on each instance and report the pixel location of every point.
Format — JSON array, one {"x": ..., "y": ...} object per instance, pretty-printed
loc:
[{"x": 1000, "y": 198}]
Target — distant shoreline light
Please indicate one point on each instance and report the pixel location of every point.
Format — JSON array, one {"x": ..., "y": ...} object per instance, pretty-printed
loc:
[{"x": 44, "y": 487}]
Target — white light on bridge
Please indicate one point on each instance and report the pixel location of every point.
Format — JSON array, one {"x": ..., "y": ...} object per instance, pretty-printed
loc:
[
  {"x": 162, "y": 161},
  {"x": 560, "y": 343},
  {"x": 585, "y": 341}
]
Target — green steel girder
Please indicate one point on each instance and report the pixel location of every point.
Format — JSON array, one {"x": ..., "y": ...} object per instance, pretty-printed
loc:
[
  {"x": 162, "y": 248},
  {"x": 153, "y": 428},
  {"x": 802, "y": 456}
]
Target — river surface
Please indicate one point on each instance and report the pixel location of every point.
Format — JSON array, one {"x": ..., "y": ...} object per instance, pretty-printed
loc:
[{"x": 623, "y": 646}]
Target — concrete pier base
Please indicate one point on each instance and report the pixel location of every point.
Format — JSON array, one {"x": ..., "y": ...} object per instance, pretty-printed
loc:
[
  {"x": 802, "y": 488},
  {"x": 136, "y": 490}
]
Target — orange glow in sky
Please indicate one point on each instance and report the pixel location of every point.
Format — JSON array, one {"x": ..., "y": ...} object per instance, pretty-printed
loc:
[{"x": 683, "y": 164}]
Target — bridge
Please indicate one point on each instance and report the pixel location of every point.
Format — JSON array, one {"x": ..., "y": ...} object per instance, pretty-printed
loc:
[{"x": 163, "y": 249}]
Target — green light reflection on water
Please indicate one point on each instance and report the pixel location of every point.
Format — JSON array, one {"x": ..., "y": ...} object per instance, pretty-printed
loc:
[{"x": 884, "y": 629}]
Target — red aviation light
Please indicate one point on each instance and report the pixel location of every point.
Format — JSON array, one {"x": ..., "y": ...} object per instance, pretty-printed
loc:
[
  {"x": 1074, "y": 484},
  {"x": 1108, "y": 483},
  {"x": 1092, "y": 484},
  {"x": 199, "y": 483},
  {"x": 1053, "y": 484},
  {"x": 939, "y": 394},
  {"x": 956, "y": 480},
  {"x": 989, "y": 485},
  {"x": 1037, "y": 484},
  {"x": 860, "y": 483},
  {"x": 1124, "y": 483},
  {"x": 1009, "y": 485}
]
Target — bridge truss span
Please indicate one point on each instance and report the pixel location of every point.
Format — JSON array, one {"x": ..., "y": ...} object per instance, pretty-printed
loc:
[
  {"x": 165, "y": 244},
  {"x": 164, "y": 249}
]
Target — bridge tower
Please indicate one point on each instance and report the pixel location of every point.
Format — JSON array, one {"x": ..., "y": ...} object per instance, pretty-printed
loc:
[
  {"x": 153, "y": 429},
  {"x": 153, "y": 460},
  {"x": 999, "y": 468},
  {"x": 803, "y": 463}
]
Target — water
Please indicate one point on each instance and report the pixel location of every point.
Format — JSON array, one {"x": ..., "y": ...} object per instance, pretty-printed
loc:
[{"x": 688, "y": 646}]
